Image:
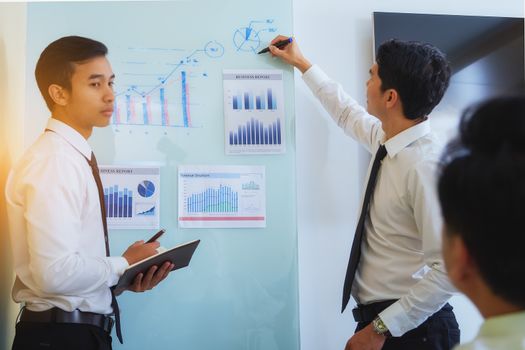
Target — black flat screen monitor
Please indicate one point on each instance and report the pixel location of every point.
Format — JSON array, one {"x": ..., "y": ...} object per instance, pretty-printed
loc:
[{"x": 486, "y": 55}]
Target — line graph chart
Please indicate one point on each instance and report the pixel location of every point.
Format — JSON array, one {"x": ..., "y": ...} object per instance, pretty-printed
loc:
[{"x": 157, "y": 84}]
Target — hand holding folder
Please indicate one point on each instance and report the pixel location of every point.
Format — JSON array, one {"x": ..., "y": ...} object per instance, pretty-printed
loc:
[{"x": 178, "y": 257}]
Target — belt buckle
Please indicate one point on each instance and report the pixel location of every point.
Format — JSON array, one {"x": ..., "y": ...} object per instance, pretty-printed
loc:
[
  {"x": 358, "y": 314},
  {"x": 108, "y": 324}
]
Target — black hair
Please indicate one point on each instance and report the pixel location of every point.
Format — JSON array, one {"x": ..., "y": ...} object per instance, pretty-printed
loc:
[
  {"x": 56, "y": 64},
  {"x": 482, "y": 192},
  {"x": 419, "y": 72}
]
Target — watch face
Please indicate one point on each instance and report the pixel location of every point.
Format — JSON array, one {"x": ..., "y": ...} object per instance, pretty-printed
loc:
[{"x": 379, "y": 326}]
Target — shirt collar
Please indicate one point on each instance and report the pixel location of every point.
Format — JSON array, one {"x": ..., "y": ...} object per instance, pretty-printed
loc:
[
  {"x": 406, "y": 137},
  {"x": 508, "y": 324},
  {"x": 72, "y": 136}
]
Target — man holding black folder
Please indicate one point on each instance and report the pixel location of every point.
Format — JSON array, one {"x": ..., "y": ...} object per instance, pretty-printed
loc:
[
  {"x": 395, "y": 270},
  {"x": 56, "y": 213}
]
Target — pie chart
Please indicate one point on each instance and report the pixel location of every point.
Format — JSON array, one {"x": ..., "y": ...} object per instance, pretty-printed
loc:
[{"x": 146, "y": 189}]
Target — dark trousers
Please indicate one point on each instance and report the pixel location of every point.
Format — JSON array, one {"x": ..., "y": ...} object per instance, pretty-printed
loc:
[
  {"x": 60, "y": 336},
  {"x": 439, "y": 332}
]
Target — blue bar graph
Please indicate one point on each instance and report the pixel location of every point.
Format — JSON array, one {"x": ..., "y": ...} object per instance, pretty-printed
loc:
[
  {"x": 271, "y": 100},
  {"x": 128, "y": 108},
  {"x": 248, "y": 100},
  {"x": 163, "y": 107},
  {"x": 211, "y": 200},
  {"x": 145, "y": 112},
  {"x": 185, "y": 100},
  {"x": 254, "y": 132},
  {"x": 118, "y": 204},
  {"x": 263, "y": 101}
]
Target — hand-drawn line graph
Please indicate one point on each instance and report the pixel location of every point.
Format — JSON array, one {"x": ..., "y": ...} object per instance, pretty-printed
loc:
[
  {"x": 156, "y": 87},
  {"x": 249, "y": 38}
]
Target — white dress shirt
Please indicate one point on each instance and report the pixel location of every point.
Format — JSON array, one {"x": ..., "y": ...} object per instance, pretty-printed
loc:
[
  {"x": 401, "y": 251},
  {"x": 56, "y": 228}
]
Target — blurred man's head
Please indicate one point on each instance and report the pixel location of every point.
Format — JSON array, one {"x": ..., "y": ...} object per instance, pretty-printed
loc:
[{"x": 482, "y": 194}]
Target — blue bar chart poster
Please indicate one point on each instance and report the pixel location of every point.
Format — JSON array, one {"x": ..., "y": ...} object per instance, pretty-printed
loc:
[
  {"x": 131, "y": 196},
  {"x": 254, "y": 112},
  {"x": 222, "y": 196}
]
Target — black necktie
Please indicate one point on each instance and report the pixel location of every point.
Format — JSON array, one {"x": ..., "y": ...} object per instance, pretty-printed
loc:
[
  {"x": 355, "y": 254},
  {"x": 96, "y": 175}
]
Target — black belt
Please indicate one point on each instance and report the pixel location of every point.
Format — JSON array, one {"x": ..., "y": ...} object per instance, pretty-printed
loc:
[
  {"x": 56, "y": 315},
  {"x": 367, "y": 313}
]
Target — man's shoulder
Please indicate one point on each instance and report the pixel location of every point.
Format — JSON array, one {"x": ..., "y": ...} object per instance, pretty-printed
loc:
[
  {"x": 47, "y": 150},
  {"x": 425, "y": 151},
  {"x": 50, "y": 144}
]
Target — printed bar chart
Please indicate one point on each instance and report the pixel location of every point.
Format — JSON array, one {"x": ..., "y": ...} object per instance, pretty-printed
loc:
[
  {"x": 221, "y": 200},
  {"x": 245, "y": 101},
  {"x": 222, "y": 196},
  {"x": 131, "y": 196},
  {"x": 254, "y": 132},
  {"x": 254, "y": 112},
  {"x": 119, "y": 204},
  {"x": 251, "y": 186}
]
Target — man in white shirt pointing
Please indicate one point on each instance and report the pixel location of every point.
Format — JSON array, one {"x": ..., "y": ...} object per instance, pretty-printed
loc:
[
  {"x": 395, "y": 271},
  {"x": 57, "y": 220}
]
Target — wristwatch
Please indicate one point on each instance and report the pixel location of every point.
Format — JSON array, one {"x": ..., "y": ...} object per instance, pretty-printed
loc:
[{"x": 380, "y": 327}]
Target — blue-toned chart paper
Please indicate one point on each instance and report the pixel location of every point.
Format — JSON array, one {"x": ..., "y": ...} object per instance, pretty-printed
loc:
[
  {"x": 131, "y": 196},
  {"x": 254, "y": 112},
  {"x": 222, "y": 196}
]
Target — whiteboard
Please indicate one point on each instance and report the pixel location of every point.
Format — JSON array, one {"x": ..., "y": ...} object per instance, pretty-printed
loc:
[{"x": 241, "y": 288}]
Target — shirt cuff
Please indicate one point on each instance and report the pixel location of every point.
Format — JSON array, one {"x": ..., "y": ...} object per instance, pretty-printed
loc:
[
  {"x": 396, "y": 319},
  {"x": 118, "y": 265},
  {"x": 314, "y": 77}
]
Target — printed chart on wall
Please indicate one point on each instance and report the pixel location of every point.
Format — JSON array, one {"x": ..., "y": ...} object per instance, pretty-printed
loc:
[
  {"x": 131, "y": 196},
  {"x": 222, "y": 196},
  {"x": 254, "y": 111}
]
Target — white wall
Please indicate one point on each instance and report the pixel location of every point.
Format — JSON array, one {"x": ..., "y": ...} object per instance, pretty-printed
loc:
[{"x": 337, "y": 35}]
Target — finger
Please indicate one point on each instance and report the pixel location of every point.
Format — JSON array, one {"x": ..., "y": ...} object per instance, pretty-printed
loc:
[
  {"x": 162, "y": 273},
  {"x": 136, "y": 286},
  {"x": 168, "y": 270},
  {"x": 278, "y": 38},
  {"x": 146, "y": 282},
  {"x": 275, "y": 51},
  {"x": 137, "y": 243},
  {"x": 153, "y": 245}
]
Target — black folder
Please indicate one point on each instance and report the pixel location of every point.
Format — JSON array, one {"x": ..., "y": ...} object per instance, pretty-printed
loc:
[{"x": 179, "y": 255}]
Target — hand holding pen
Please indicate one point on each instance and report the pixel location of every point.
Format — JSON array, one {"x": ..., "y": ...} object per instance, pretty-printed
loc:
[
  {"x": 289, "y": 52},
  {"x": 280, "y": 44},
  {"x": 141, "y": 250}
]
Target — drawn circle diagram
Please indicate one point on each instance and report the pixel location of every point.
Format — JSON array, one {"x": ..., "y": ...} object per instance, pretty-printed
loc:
[
  {"x": 213, "y": 49},
  {"x": 146, "y": 188},
  {"x": 246, "y": 39}
]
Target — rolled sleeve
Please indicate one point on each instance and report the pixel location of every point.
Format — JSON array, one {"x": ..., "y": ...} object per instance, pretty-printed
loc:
[
  {"x": 344, "y": 110},
  {"x": 118, "y": 265}
]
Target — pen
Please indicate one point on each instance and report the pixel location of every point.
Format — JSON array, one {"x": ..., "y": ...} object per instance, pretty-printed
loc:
[
  {"x": 279, "y": 44},
  {"x": 156, "y": 236}
]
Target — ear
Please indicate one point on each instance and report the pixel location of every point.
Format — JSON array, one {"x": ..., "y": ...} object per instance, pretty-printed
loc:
[
  {"x": 392, "y": 98},
  {"x": 460, "y": 265},
  {"x": 58, "y": 94}
]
